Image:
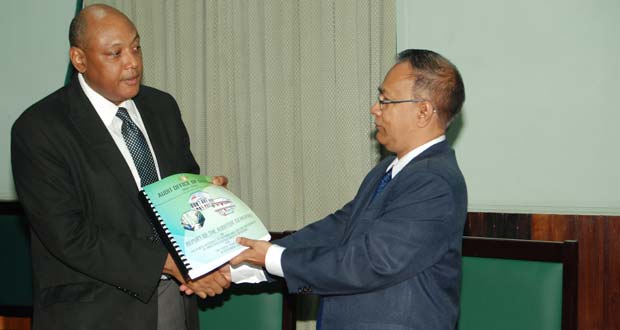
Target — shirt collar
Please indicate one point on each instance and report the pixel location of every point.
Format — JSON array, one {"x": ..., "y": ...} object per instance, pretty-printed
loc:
[
  {"x": 105, "y": 109},
  {"x": 398, "y": 164}
]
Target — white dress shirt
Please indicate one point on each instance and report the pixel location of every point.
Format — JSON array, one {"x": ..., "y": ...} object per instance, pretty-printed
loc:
[{"x": 107, "y": 112}]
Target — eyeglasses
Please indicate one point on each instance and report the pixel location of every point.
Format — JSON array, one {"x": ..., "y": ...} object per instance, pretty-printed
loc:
[{"x": 383, "y": 102}]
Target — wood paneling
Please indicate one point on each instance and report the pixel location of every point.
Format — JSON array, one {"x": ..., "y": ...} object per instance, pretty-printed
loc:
[
  {"x": 14, "y": 323},
  {"x": 10, "y": 207},
  {"x": 612, "y": 273},
  {"x": 498, "y": 225},
  {"x": 599, "y": 256},
  {"x": 590, "y": 232}
]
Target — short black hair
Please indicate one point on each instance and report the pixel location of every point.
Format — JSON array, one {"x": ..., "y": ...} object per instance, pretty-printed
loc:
[
  {"x": 439, "y": 77},
  {"x": 76, "y": 30}
]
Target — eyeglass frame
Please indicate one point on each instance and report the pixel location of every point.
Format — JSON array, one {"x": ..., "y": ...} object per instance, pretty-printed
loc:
[{"x": 383, "y": 102}]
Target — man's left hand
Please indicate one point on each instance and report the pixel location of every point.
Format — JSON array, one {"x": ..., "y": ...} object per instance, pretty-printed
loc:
[{"x": 220, "y": 181}]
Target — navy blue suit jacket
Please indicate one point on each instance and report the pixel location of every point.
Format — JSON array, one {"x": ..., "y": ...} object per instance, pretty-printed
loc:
[{"x": 392, "y": 262}]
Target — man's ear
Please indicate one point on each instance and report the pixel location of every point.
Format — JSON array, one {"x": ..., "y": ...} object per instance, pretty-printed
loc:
[
  {"x": 425, "y": 114},
  {"x": 78, "y": 59}
]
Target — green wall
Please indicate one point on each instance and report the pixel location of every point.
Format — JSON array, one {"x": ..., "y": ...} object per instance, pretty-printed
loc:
[
  {"x": 34, "y": 63},
  {"x": 538, "y": 133},
  {"x": 538, "y": 129}
]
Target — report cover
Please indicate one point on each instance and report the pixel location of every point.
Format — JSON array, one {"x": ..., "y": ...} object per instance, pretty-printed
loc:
[{"x": 199, "y": 221}]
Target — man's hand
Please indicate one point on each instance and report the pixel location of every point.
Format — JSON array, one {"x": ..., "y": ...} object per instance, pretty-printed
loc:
[
  {"x": 220, "y": 181},
  {"x": 255, "y": 254},
  {"x": 210, "y": 285},
  {"x": 171, "y": 269}
]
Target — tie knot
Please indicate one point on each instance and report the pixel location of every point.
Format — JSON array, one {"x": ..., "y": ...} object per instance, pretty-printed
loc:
[
  {"x": 387, "y": 177},
  {"x": 123, "y": 114}
]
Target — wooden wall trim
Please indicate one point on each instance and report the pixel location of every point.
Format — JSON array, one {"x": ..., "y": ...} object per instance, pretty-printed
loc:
[
  {"x": 10, "y": 208},
  {"x": 599, "y": 253},
  {"x": 514, "y": 249}
]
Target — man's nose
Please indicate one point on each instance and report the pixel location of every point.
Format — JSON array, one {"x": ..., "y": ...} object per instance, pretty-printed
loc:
[
  {"x": 375, "y": 109},
  {"x": 131, "y": 60}
]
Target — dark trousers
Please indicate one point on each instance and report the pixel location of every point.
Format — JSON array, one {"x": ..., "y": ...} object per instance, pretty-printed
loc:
[{"x": 171, "y": 308}]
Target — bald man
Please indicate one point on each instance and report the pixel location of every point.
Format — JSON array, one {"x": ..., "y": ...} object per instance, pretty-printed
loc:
[{"x": 79, "y": 158}]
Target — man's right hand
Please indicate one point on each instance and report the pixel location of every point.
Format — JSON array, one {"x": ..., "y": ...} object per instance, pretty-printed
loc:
[
  {"x": 170, "y": 268},
  {"x": 210, "y": 285}
]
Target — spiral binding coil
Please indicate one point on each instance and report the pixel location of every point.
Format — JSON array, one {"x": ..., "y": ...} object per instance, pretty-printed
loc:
[{"x": 168, "y": 234}]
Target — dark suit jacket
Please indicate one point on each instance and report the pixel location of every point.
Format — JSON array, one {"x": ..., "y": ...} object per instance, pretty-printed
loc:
[
  {"x": 393, "y": 262},
  {"x": 96, "y": 263}
]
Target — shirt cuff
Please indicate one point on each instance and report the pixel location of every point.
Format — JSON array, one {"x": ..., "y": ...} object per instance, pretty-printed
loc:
[
  {"x": 245, "y": 273},
  {"x": 273, "y": 260}
]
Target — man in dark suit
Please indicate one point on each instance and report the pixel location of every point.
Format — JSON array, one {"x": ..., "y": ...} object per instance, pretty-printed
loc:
[
  {"x": 79, "y": 157},
  {"x": 390, "y": 258}
]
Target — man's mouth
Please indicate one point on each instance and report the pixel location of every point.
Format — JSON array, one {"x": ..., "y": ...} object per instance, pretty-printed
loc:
[{"x": 132, "y": 80}]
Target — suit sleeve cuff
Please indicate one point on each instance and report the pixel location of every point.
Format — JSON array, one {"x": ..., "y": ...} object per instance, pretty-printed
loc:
[{"x": 273, "y": 260}]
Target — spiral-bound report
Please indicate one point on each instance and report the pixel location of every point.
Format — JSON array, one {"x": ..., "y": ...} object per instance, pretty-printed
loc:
[{"x": 198, "y": 221}]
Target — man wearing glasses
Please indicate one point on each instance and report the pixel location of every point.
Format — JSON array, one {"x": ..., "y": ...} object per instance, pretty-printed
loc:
[{"x": 390, "y": 258}]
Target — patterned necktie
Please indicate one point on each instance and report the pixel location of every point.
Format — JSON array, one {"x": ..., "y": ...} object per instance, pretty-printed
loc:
[
  {"x": 138, "y": 148},
  {"x": 384, "y": 181},
  {"x": 140, "y": 153}
]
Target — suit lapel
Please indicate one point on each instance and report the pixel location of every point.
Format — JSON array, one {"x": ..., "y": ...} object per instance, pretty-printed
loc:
[
  {"x": 410, "y": 167},
  {"x": 96, "y": 136},
  {"x": 370, "y": 188},
  {"x": 366, "y": 202},
  {"x": 153, "y": 125},
  {"x": 365, "y": 194}
]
